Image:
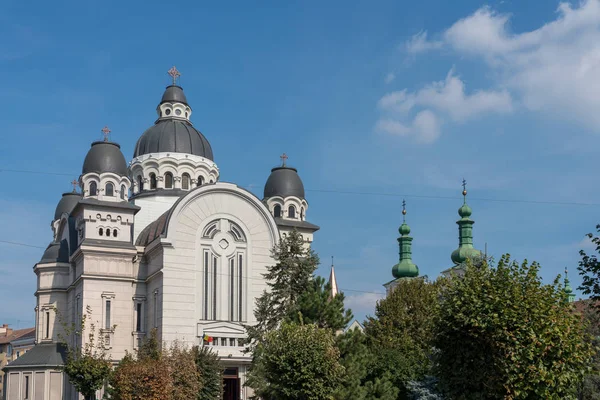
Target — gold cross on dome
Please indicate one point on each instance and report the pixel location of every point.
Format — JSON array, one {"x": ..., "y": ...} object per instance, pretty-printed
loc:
[
  {"x": 174, "y": 74},
  {"x": 105, "y": 131},
  {"x": 284, "y": 158},
  {"x": 74, "y": 183}
]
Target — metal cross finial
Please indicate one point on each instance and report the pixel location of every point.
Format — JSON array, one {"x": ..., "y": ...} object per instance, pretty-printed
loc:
[
  {"x": 174, "y": 74},
  {"x": 464, "y": 192},
  {"x": 74, "y": 183},
  {"x": 403, "y": 209},
  {"x": 332, "y": 261},
  {"x": 105, "y": 131},
  {"x": 566, "y": 272},
  {"x": 284, "y": 158}
]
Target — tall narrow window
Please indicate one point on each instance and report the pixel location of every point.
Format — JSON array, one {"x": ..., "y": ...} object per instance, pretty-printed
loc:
[
  {"x": 291, "y": 212},
  {"x": 206, "y": 285},
  {"x": 200, "y": 181},
  {"x": 93, "y": 189},
  {"x": 277, "y": 211},
  {"x": 138, "y": 317},
  {"x": 185, "y": 182},
  {"x": 107, "y": 317},
  {"x": 302, "y": 214},
  {"x": 47, "y": 324},
  {"x": 109, "y": 190},
  {"x": 140, "y": 183},
  {"x": 240, "y": 285},
  {"x": 152, "y": 181},
  {"x": 26, "y": 387},
  {"x": 232, "y": 289},
  {"x": 214, "y": 310},
  {"x": 156, "y": 308},
  {"x": 123, "y": 190},
  {"x": 169, "y": 180}
]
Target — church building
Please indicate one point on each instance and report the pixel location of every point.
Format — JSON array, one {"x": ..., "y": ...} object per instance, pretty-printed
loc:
[{"x": 158, "y": 243}]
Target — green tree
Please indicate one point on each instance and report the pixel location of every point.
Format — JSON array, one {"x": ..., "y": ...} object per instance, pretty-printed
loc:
[
  {"x": 502, "y": 333},
  {"x": 295, "y": 264},
  {"x": 88, "y": 365},
  {"x": 401, "y": 332},
  {"x": 316, "y": 306},
  {"x": 296, "y": 362},
  {"x": 589, "y": 269},
  {"x": 590, "y": 388},
  {"x": 209, "y": 367}
]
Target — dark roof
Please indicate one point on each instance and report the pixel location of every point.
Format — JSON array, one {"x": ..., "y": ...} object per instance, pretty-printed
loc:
[
  {"x": 56, "y": 252},
  {"x": 105, "y": 157},
  {"x": 16, "y": 334},
  {"x": 175, "y": 136},
  {"x": 154, "y": 230},
  {"x": 66, "y": 204},
  {"x": 112, "y": 204},
  {"x": 174, "y": 94},
  {"x": 41, "y": 355},
  {"x": 284, "y": 181},
  {"x": 117, "y": 244},
  {"x": 296, "y": 224}
]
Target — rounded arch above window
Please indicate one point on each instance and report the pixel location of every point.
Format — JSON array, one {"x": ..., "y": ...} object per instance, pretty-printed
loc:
[
  {"x": 109, "y": 189},
  {"x": 277, "y": 211},
  {"x": 93, "y": 188},
  {"x": 200, "y": 181},
  {"x": 123, "y": 192},
  {"x": 169, "y": 180},
  {"x": 291, "y": 212},
  {"x": 140, "y": 182},
  {"x": 153, "y": 181},
  {"x": 185, "y": 181}
]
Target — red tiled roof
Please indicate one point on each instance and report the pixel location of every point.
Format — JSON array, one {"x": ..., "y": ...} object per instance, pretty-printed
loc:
[{"x": 16, "y": 334}]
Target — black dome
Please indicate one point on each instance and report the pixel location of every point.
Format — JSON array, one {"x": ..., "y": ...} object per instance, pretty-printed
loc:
[
  {"x": 174, "y": 94},
  {"x": 284, "y": 181},
  {"x": 66, "y": 204},
  {"x": 105, "y": 157},
  {"x": 56, "y": 252},
  {"x": 173, "y": 136}
]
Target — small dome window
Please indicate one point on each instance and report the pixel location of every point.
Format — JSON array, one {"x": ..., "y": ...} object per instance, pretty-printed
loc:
[
  {"x": 211, "y": 181},
  {"x": 277, "y": 211},
  {"x": 100, "y": 231},
  {"x": 140, "y": 183},
  {"x": 302, "y": 214},
  {"x": 200, "y": 181},
  {"x": 152, "y": 181},
  {"x": 168, "y": 112},
  {"x": 291, "y": 212},
  {"x": 123, "y": 190},
  {"x": 93, "y": 189},
  {"x": 169, "y": 180},
  {"x": 109, "y": 190},
  {"x": 114, "y": 232},
  {"x": 185, "y": 182},
  {"x": 178, "y": 112},
  {"x": 186, "y": 114}
]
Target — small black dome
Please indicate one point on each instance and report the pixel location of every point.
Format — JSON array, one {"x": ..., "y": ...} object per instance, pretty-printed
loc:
[
  {"x": 56, "y": 252},
  {"x": 66, "y": 204},
  {"x": 173, "y": 136},
  {"x": 284, "y": 181},
  {"x": 174, "y": 94},
  {"x": 105, "y": 157}
]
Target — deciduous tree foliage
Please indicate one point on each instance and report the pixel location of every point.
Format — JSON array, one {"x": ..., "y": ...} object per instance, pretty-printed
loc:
[
  {"x": 297, "y": 362},
  {"x": 401, "y": 333},
  {"x": 211, "y": 373},
  {"x": 503, "y": 334},
  {"x": 589, "y": 269}
]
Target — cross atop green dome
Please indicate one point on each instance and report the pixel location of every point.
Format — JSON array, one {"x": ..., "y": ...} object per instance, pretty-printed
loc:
[
  {"x": 465, "y": 248},
  {"x": 405, "y": 268},
  {"x": 568, "y": 289}
]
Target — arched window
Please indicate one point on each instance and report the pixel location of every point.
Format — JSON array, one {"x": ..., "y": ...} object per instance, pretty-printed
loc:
[
  {"x": 114, "y": 232},
  {"x": 152, "y": 181},
  {"x": 93, "y": 189},
  {"x": 211, "y": 181},
  {"x": 140, "y": 183},
  {"x": 185, "y": 182},
  {"x": 277, "y": 211},
  {"x": 302, "y": 214},
  {"x": 292, "y": 212},
  {"x": 123, "y": 190},
  {"x": 109, "y": 190},
  {"x": 107, "y": 232},
  {"x": 100, "y": 231},
  {"x": 169, "y": 180},
  {"x": 200, "y": 181}
]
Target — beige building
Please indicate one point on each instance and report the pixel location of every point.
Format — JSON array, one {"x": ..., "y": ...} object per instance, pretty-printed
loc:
[
  {"x": 158, "y": 243},
  {"x": 13, "y": 344}
]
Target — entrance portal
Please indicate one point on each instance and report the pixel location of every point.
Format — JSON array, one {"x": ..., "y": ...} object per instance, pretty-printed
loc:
[{"x": 231, "y": 384}]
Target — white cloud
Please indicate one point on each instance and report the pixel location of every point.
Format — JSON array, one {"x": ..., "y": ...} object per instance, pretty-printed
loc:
[
  {"x": 363, "y": 303},
  {"x": 422, "y": 113},
  {"x": 419, "y": 44},
  {"x": 553, "y": 69},
  {"x": 389, "y": 78}
]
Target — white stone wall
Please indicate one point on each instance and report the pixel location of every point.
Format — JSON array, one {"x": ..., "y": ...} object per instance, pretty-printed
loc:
[{"x": 152, "y": 207}]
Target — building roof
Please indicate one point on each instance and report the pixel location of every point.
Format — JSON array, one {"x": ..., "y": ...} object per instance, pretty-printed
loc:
[
  {"x": 284, "y": 181},
  {"x": 174, "y": 94},
  {"x": 296, "y": 224},
  {"x": 56, "y": 252},
  {"x": 41, "y": 355},
  {"x": 105, "y": 157},
  {"x": 66, "y": 204},
  {"x": 16, "y": 334}
]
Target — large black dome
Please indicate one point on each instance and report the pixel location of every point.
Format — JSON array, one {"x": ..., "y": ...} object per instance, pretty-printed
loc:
[
  {"x": 56, "y": 252},
  {"x": 66, "y": 204},
  {"x": 284, "y": 181},
  {"x": 173, "y": 136},
  {"x": 105, "y": 157}
]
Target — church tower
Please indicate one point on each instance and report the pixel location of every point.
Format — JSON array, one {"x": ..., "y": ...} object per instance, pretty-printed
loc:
[
  {"x": 568, "y": 289},
  {"x": 405, "y": 267},
  {"x": 284, "y": 197}
]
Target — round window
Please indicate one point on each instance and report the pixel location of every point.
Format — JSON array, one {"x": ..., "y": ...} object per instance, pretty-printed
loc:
[
  {"x": 168, "y": 112},
  {"x": 178, "y": 112}
]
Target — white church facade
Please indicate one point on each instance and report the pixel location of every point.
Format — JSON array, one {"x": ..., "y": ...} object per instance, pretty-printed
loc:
[{"x": 157, "y": 243}]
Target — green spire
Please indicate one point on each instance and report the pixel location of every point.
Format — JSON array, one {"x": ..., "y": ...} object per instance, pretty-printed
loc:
[
  {"x": 465, "y": 248},
  {"x": 568, "y": 289},
  {"x": 405, "y": 268}
]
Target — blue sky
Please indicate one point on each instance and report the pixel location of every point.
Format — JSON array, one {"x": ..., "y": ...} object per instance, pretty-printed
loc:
[{"x": 389, "y": 99}]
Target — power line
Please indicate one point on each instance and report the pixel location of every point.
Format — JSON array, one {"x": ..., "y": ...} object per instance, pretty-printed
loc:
[
  {"x": 383, "y": 194},
  {"x": 21, "y": 244}
]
